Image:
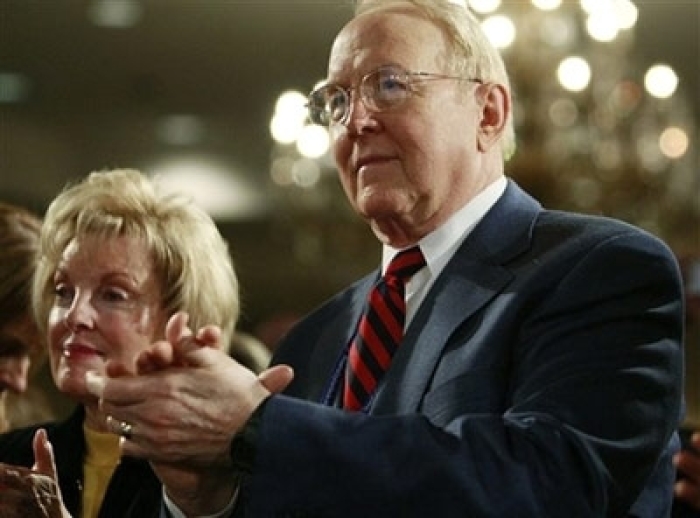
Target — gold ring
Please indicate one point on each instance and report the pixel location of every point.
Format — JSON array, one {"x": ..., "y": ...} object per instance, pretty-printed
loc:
[
  {"x": 125, "y": 429},
  {"x": 121, "y": 428}
]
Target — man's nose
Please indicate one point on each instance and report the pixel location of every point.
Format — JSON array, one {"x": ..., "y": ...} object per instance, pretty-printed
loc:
[{"x": 359, "y": 117}]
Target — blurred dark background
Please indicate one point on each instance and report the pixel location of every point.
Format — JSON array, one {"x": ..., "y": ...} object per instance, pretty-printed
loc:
[{"x": 188, "y": 89}]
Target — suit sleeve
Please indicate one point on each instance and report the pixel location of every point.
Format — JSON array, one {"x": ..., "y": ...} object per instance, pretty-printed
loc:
[{"x": 592, "y": 399}]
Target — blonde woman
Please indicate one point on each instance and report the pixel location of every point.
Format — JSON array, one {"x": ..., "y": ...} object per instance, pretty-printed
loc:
[{"x": 117, "y": 259}]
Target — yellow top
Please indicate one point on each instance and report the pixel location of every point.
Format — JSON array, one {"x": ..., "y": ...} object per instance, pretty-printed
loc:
[{"x": 101, "y": 458}]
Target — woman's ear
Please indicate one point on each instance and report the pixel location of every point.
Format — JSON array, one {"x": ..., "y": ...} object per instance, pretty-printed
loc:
[{"x": 495, "y": 111}]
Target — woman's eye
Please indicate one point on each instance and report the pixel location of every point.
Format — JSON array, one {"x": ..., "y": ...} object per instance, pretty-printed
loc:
[
  {"x": 63, "y": 293},
  {"x": 114, "y": 295}
]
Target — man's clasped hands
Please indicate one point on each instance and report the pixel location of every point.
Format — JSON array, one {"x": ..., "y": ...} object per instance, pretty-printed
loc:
[{"x": 170, "y": 409}]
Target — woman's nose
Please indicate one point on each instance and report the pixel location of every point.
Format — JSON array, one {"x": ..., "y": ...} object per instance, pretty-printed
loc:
[
  {"x": 80, "y": 314},
  {"x": 13, "y": 373}
]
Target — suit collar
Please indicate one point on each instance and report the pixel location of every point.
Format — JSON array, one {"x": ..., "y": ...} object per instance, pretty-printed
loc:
[
  {"x": 336, "y": 333},
  {"x": 476, "y": 273},
  {"x": 506, "y": 230}
]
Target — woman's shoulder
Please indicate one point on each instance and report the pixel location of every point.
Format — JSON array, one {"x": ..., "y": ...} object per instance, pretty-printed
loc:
[{"x": 16, "y": 444}]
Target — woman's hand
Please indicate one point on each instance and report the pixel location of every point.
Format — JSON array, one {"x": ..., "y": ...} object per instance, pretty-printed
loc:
[{"x": 32, "y": 492}]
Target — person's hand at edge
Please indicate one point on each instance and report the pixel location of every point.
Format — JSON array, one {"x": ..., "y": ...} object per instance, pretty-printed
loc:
[
  {"x": 45, "y": 464},
  {"x": 688, "y": 463}
]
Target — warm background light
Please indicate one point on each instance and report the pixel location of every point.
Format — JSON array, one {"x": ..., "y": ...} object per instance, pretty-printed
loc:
[
  {"x": 574, "y": 73},
  {"x": 211, "y": 95},
  {"x": 661, "y": 81},
  {"x": 500, "y": 30}
]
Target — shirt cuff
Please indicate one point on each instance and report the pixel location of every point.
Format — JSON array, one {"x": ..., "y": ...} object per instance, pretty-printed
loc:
[{"x": 175, "y": 512}]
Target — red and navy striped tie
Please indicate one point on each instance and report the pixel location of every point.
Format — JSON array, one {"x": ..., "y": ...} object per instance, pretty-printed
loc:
[{"x": 380, "y": 329}]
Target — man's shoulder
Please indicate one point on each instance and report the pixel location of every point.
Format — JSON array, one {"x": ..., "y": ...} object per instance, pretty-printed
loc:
[{"x": 588, "y": 229}]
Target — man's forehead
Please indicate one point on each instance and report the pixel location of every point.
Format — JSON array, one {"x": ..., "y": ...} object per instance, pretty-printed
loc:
[{"x": 388, "y": 36}]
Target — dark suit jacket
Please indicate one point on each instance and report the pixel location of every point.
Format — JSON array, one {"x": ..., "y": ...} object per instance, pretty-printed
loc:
[
  {"x": 133, "y": 491},
  {"x": 541, "y": 377}
]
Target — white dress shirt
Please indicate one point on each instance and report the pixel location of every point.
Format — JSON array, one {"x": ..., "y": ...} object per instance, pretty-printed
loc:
[{"x": 439, "y": 246}]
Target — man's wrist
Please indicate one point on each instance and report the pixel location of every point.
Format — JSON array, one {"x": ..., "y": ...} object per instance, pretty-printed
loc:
[{"x": 244, "y": 444}]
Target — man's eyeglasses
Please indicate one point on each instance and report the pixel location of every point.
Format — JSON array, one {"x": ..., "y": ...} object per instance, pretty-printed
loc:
[{"x": 382, "y": 89}]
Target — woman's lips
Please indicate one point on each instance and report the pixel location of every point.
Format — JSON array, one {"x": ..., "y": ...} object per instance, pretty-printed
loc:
[{"x": 80, "y": 351}]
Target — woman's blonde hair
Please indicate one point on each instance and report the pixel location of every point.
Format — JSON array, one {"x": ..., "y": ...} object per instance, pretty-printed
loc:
[{"x": 190, "y": 257}]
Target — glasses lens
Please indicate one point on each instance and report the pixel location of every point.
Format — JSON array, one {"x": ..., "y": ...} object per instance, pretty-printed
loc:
[
  {"x": 385, "y": 88},
  {"x": 327, "y": 105}
]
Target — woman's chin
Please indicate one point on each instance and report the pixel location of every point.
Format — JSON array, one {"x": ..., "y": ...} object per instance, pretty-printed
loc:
[{"x": 72, "y": 384}]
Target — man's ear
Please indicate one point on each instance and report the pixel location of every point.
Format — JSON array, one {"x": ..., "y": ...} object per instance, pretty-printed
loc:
[{"x": 495, "y": 111}]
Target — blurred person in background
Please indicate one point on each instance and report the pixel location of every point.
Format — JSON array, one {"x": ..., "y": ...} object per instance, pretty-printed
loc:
[
  {"x": 20, "y": 341},
  {"x": 250, "y": 351}
]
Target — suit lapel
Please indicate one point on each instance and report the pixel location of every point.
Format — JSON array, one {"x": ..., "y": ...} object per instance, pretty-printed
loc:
[
  {"x": 456, "y": 295},
  {"x": 472, "y": 278},
  {"x": 336, "y": 335}
]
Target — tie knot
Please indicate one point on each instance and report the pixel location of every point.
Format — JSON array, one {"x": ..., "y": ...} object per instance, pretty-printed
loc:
[{"x": 406, "y": 263}]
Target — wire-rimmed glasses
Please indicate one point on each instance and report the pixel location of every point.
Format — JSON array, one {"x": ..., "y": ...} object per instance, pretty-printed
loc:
[{"x": 382, "y": 89}]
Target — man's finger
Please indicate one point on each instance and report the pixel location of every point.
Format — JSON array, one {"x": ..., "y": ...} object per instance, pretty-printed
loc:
[
  {"x": 159, "y": 356},
  {"x": 183, "y": 340},
  {"x": 277, "y": 378},
  {"x": 209, "y": 336},
  {"x": 176, "y": 329},
  {"x": 95, "y": 383}
]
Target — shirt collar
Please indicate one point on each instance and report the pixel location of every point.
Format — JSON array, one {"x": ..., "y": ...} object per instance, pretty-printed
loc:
[{"x": 439, "y": 245}]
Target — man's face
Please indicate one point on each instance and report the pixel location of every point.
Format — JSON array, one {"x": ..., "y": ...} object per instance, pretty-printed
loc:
[{"x": 406, "y": 169}]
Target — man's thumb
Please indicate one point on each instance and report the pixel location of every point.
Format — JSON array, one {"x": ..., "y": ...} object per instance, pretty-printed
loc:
[{"x": 277, "y": 378}]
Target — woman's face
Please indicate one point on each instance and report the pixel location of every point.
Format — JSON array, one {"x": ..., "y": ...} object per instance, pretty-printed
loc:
[{"x": 107, "y": 306}]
